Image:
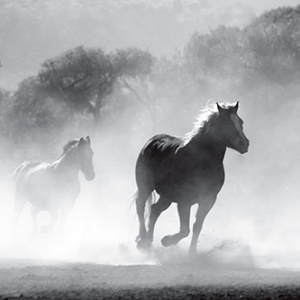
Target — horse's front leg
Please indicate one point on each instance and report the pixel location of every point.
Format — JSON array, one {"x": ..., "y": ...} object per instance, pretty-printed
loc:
[
  {"x": 203, "y": 208},
  {"x": 184, "y": 210},
  {"x": 18, "y": 206},
  {"x": 63, "y": 219}
]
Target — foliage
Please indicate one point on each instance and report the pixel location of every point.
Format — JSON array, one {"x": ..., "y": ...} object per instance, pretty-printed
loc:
[
  {"x": 132, "y": 91},
  {"x": 266, "y": 51},
  {"x": 83, "y": 77}
]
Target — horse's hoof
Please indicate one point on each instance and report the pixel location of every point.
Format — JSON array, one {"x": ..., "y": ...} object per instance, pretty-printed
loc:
[
  {"x": 167, "y": 241},
  {"x": 137, "y": 239},
  {"x": 143, "y": 245}
]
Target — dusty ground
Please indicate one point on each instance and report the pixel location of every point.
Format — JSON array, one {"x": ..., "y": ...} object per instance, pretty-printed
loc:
[{"x": 53, "y": 280}]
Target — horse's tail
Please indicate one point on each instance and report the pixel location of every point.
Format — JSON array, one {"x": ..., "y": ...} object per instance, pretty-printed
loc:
[{"x": 151, "y": 200}]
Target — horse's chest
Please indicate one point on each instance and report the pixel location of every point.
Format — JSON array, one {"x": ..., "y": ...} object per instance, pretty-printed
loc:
[{"x": 204, "y": 178}]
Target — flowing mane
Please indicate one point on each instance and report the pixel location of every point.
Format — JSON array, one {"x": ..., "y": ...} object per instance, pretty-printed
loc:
[
  {"x": 69, "y": 145},
  {"x": 204, "y": 121}
]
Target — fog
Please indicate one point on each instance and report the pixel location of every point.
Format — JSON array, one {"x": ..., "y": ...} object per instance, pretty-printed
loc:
[{"x": 254, "y": 223}]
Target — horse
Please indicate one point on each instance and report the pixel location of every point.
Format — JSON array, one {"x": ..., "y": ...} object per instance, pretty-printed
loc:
[
  {"x": 186, "y": 170},
  {"x": 53, "y": 187}
]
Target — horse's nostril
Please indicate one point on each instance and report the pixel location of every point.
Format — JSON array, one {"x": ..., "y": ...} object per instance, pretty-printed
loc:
[{"x": 243, "y": 145}]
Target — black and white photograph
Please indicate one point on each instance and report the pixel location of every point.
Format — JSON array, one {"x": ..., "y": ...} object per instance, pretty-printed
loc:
[{"x": 149, "y": 149}]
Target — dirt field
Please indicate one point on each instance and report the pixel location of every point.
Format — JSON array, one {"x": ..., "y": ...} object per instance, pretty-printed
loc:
[{"x": 21, "y": 279}]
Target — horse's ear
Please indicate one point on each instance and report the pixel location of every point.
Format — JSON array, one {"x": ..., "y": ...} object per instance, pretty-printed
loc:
[
  {"x": 220, "y": 108},
  {"x": 236, "y": 107},
  {"x": 88, "y": 140},
  {"x": 81, "y": 141}
]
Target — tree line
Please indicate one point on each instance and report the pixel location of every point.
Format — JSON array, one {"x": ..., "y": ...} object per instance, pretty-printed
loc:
[{"x": 130, "y": 90}]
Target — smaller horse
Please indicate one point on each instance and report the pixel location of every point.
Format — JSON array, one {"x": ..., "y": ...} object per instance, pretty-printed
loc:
[
  {"x": 187, "y": 171},
  {"x": 53, "y": 187}
]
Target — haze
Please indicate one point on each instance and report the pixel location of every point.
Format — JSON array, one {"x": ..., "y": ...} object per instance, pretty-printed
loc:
[
  {"x": 31, "y": 32},
  {"x": 255, "y": 222}
]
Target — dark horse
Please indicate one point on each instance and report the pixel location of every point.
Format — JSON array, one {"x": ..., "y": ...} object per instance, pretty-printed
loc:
[
  {"x": 187, "y": 171},
  {"x": 53, "y": 187}
]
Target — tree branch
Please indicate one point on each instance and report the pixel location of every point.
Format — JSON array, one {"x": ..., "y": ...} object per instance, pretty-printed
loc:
[
  {"x": 138, "y": 97},
  {"x": 75, "y": 82}
]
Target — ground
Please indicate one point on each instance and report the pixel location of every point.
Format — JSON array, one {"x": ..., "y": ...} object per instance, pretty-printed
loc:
[{"x": 21, "y": 279}]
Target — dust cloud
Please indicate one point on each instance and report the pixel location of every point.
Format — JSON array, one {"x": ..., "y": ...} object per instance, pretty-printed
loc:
[{"x": 254, "y": 223}]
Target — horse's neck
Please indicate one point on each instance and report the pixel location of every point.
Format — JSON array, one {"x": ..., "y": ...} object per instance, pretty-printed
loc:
[
  {"x": 66, "y": 166},
  {"x": 208, "y": 144}
]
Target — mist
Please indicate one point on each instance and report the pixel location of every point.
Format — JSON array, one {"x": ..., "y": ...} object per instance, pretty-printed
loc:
[{"x": 254, "y": 223}]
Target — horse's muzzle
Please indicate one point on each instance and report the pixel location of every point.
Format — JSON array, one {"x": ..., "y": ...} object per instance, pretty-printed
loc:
[
  {"x": 243, "y": 146},
  {"x": 90, "y": 176}
]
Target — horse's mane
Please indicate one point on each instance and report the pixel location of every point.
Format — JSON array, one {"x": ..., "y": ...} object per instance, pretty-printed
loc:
[
  {"x": 204, "y": 121},
  {"x": 69, "y": 145}
]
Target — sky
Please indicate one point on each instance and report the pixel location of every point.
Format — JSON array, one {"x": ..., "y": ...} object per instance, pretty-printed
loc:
[{"x": 32, "y": 31}]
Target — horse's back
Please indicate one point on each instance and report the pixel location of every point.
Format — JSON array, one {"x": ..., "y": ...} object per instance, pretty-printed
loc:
[
  {"x": 158, "y": 147},
  {"x": 24, "y": 168}
]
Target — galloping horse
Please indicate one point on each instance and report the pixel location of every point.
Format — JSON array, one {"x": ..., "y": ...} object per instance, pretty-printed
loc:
[
  {"x": 187, "y": 171},
  {"x": 53, "y": 187}
]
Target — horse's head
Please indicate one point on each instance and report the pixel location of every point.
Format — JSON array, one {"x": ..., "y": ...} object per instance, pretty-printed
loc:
[
  {"x": 229, "y": 127},
  {"x": 85, "y": 158}
]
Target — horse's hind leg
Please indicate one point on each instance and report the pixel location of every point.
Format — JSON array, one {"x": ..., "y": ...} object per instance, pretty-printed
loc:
[
  {"x": 145, "y": 189},
  {"x": 184, "y": 217},
  {"x": 141, "y": 200},
  {"x": 54, "y": 218},
  {"x": 18, "y": 207},
  {"x": 156, "y": 209}
]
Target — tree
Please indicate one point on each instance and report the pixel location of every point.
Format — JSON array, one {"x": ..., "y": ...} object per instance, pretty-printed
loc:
[
  {"x": 34, "y": 117},
  {"x": 216, "y": 52},
  {"x": 167, "y": 91},
  {"x": 215, "y": 62},
  {"x": 84, "y": 77},
  {"x": 273, "y": 45}
]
